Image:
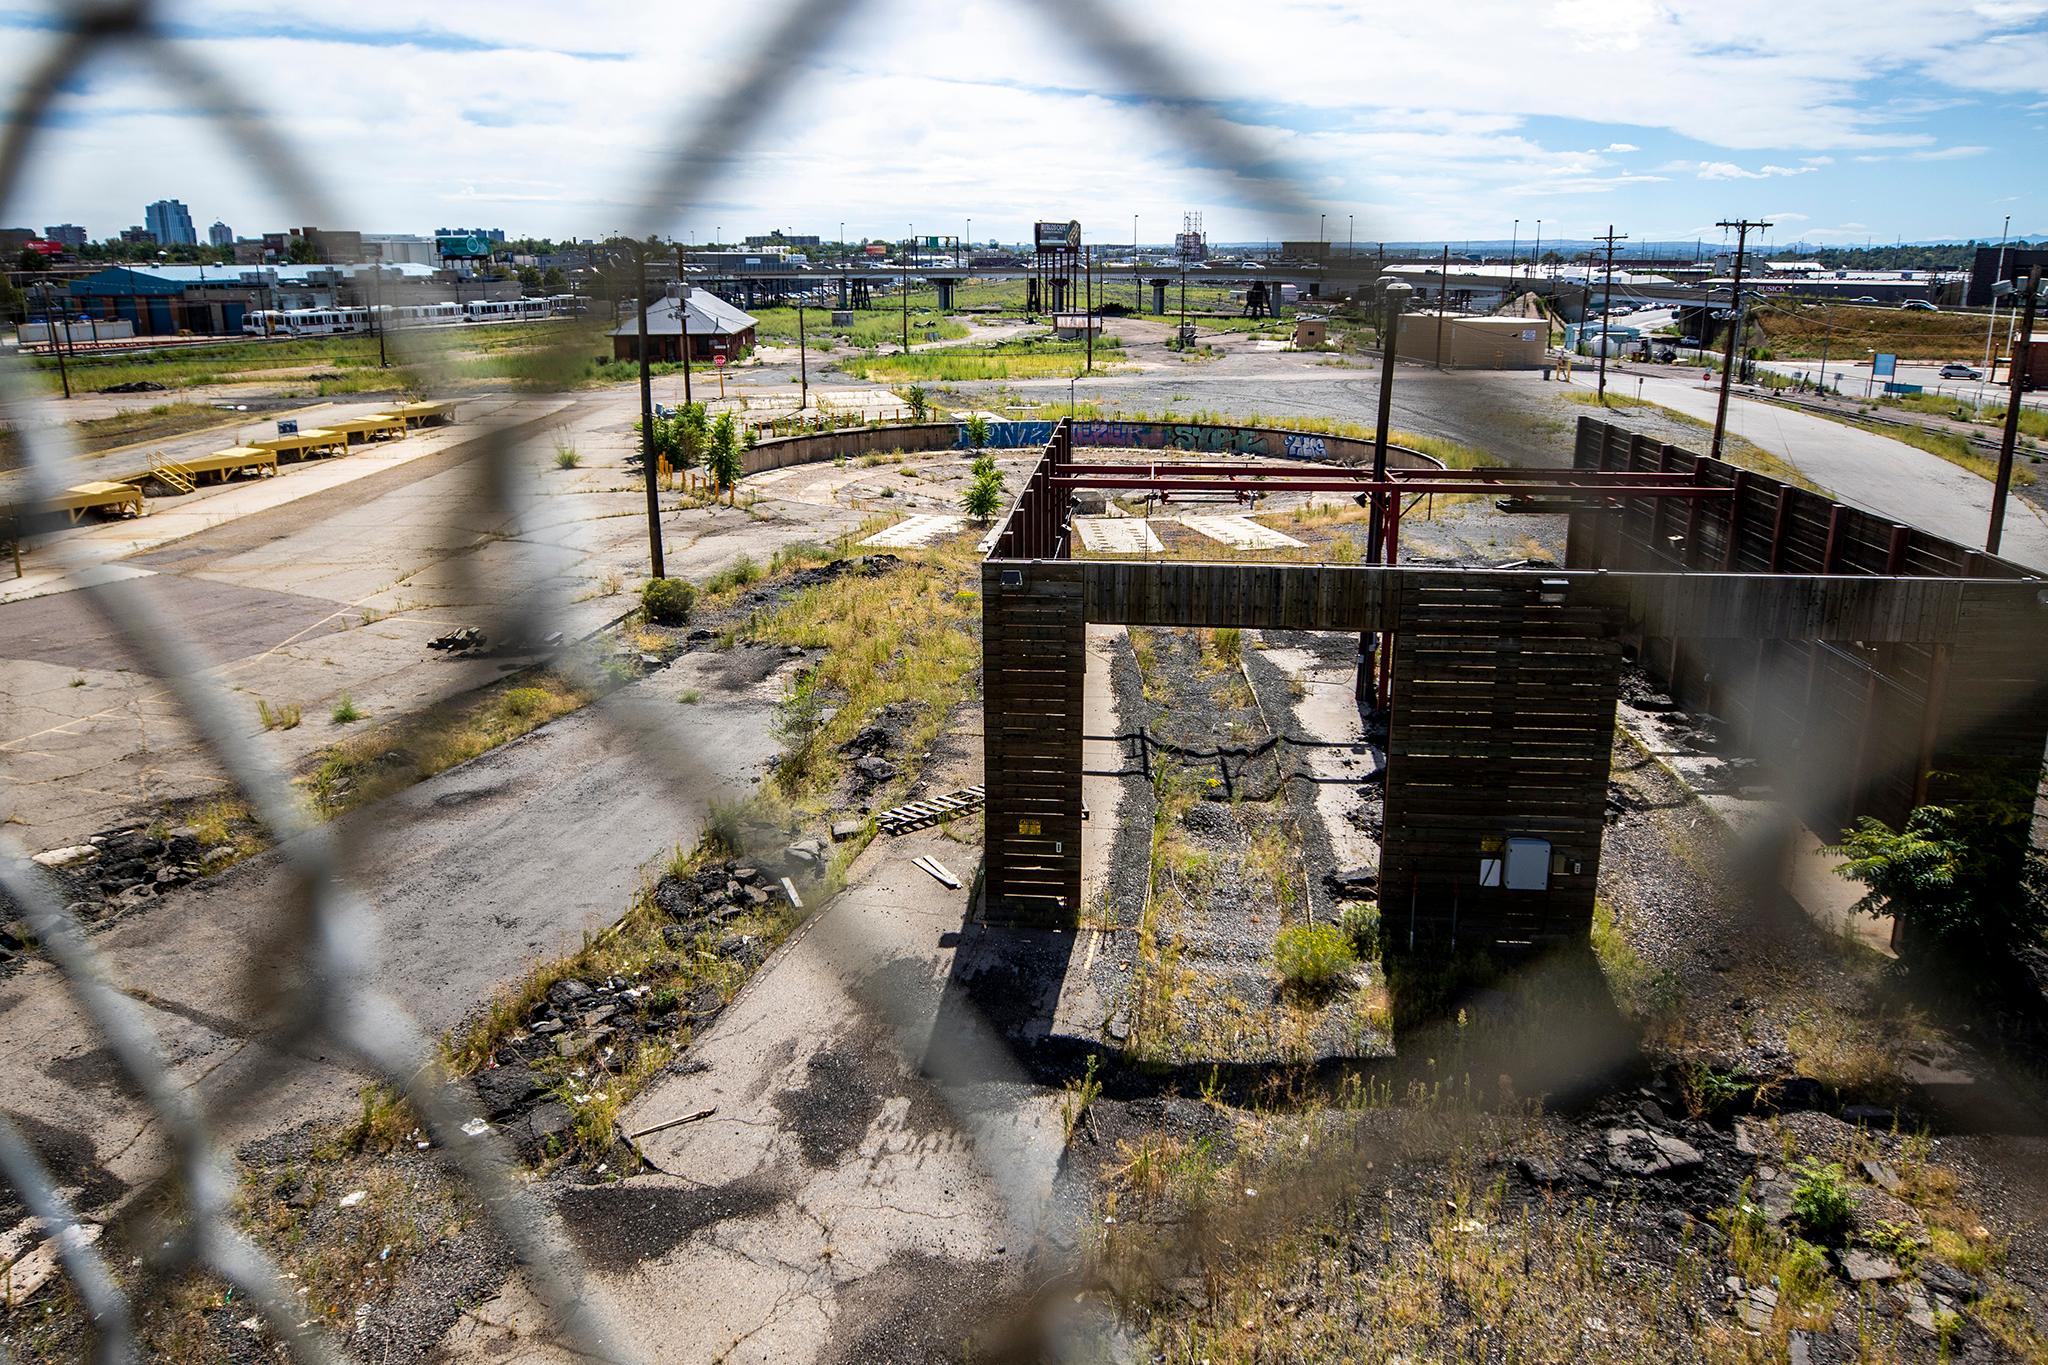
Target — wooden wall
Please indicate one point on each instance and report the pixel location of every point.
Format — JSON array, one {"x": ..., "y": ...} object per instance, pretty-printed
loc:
[
  {"x": 1034, "y": 662},
  {"x": 1851, "y": 727},
  {"x": 1502, "y": 726}
]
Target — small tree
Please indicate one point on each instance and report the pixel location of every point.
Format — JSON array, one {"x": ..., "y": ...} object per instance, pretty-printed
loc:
[
  {"x": 984, "y": 495},
  {"x": 723, "y": 462},
  {"x": 693, "y": 435},
  {"x": 920, "y": 402},
  {"x": 1958, "y": 877},
  {"x": 975, "y": 429}
]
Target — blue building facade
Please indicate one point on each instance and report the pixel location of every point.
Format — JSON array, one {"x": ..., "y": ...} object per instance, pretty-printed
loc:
[{"x": 170, "y": 222}]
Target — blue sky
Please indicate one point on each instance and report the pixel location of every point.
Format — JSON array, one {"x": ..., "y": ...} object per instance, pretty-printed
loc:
[{"x": 1842, "y": 122}]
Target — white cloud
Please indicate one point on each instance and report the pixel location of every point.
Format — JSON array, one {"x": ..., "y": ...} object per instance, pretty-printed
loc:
[
  {"x": 1947, "y": 154},
  {"x": 1728, "y": 170},
  {"x": 461, "y": 111}
]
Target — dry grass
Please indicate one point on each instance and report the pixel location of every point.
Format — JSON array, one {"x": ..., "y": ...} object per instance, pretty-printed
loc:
[
  {"x": 370, "y": 766},
  {"x": 909, "y": 634}
]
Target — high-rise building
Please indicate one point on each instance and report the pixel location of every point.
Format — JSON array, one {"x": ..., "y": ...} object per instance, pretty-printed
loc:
[
  {"x": 171, "y": 221},
  {"x": 70, "y": 236},
  {"x": 136, "y": 233},
  {"x": 220, "y": 234}
]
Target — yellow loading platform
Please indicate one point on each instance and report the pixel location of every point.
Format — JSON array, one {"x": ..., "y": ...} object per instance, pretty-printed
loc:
[
  {"x": 367, "y": 429},
  {"x": 234, "y": 460},
  {"x": 424, "y": 412},
  {"x": 115, "y": 499},
  {"x": 305, "y": 444}
]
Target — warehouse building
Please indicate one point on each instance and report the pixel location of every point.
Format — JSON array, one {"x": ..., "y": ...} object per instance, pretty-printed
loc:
[{"x": 212, "y": 300}]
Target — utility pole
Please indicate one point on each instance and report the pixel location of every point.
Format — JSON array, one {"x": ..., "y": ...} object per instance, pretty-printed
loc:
[
  {"x": 647, "y": 460},
  {"x": 2022, "y": 352},
  {"x": 1396, "y": 295},
  {"x": 803, "y": 360},
  {"x": 1514, "y": 250},
  {"x": 377, "y": 313},
  {"x": 1606, "y": 309},
  {"x": 1137, "y": 287},
  {"x": 908, "y": 247},
  {"x": 1743, "y": 227},
  {"x": 1443, "y": 286},
  {"x": 63, "y": 374}
]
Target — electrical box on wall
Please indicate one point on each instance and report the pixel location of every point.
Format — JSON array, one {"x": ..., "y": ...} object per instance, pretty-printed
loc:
[{"x": 1528, "y": 864}]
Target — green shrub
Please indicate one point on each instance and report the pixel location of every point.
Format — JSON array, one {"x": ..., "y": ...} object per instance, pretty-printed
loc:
[
  {"x": 737, "y": 574},
  {"x": 566, "y": 457},
  {"x": 344, "y": 711},
  {"x": 975, "y": 429},
  {"x": 983, "y": 498},
  {"x": 1360, "y": 922},
  {"x": 667, "y": 601},
  {"x": 1821, "y": 1205},
  {"x": 1312, "y": 957}
]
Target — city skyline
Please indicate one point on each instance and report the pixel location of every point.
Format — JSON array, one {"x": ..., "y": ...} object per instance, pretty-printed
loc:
[{"x": 1891, "y": 120}]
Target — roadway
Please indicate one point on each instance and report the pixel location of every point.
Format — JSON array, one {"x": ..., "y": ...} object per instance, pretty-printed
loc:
[
  {"x": 470, "y": 876},
  {"x": 1861, "y": 467}
]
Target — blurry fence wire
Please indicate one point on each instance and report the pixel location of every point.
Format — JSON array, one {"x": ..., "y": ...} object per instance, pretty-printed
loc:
[{"x": 325, "y": 936}]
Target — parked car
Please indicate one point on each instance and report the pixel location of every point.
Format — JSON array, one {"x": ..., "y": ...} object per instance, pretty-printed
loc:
[
  {"x": 1958, "y": 370},
  {"x": 1919, "y": 306}
]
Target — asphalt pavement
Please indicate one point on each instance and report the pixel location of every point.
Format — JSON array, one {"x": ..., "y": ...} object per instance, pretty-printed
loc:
[{"x": 470, "y": 877}]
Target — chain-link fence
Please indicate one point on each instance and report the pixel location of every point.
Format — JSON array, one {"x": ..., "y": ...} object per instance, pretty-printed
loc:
[{"x": 324, "y": 935}]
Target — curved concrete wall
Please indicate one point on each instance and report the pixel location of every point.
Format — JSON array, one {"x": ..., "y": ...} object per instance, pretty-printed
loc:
[{"x": 1196, "y": 437}]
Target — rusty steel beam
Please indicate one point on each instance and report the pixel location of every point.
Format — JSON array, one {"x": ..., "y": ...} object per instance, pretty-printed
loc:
[{"x": 1244, "y": 487}]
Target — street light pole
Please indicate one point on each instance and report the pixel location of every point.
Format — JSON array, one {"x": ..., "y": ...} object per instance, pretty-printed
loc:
[
  {"x": 1991, "y": 324},
  {"x": 2022, "y": 352}
]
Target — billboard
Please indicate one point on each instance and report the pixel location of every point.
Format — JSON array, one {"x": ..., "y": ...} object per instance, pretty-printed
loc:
[
  {"x": 1884, "y": 365},
  {"x": 1057, "y": 236},
  {"x": 467, "y": 246}
]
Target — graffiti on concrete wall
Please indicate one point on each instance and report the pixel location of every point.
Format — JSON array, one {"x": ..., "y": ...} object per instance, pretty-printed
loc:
[{"x": 1212, "y": 440}]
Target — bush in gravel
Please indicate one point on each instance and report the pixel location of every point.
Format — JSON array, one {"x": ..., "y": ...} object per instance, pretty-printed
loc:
[
  {"x": 667, "y": 601},
  {"x": 1821, "y": 1205},
  {"x": 1312, "y": 957},
  {"x": 1360, "y": 922}
]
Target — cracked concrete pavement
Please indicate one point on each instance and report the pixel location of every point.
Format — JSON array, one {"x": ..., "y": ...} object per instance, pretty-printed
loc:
[
  {"x": 470, "y": 876},
  {"x": 876, "y": 1173}
]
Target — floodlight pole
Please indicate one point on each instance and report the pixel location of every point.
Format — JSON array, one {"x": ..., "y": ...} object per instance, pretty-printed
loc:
[
  {"x": 2022, "y": 353},
  {"x": 647, "y": 420},
  {"x": 1742, "y": 228}
]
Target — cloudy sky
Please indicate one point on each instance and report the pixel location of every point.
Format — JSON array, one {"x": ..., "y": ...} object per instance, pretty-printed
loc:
[{"x": 1838, "y": 120}]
